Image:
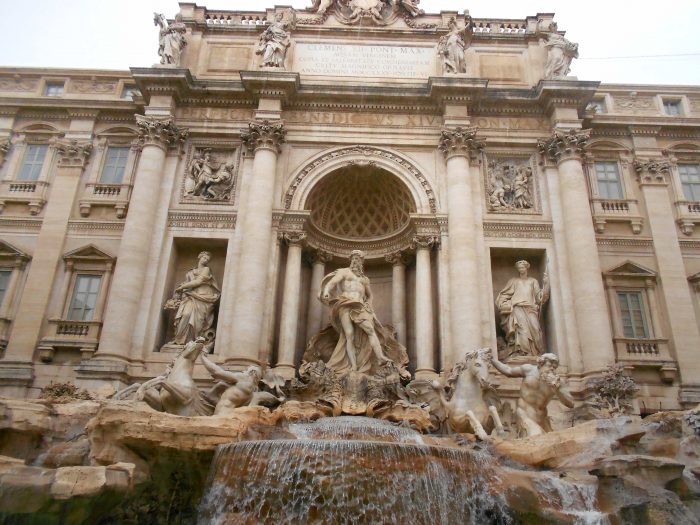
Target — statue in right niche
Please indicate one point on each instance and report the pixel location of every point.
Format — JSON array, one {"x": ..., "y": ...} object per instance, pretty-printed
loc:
[{"x": 520, "y": 304}]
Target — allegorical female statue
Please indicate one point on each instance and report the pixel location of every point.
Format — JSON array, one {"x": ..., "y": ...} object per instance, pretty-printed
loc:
[
  {"x": 171, "y": 39},
  {"x": 451, "y": 48},
  {"x": 519, "y": 305},
  {"x": 275, "y": 40},
  {"x": 194, "y": 300}
]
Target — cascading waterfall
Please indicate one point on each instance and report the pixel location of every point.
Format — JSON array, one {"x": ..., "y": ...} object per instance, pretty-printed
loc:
[{"x": 350, "y": 471}]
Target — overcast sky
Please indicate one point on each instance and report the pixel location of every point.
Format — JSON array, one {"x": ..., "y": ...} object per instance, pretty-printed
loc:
[{"x": 118, "y": 34}]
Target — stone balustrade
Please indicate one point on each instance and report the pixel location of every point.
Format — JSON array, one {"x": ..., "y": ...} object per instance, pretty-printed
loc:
[
  {"x": 616, "y": 210},
  {"x": 63, "y": 333}
]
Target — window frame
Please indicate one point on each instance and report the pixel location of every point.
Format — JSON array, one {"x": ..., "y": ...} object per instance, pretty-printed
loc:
[
  {"x": 74, "y": 295},
  {"x": 22, "y": 163},
  {"x": 643, "y": 311},
  {"x": 680, "y": 166},
  {"x": 105, "y": 163},
  {"x": 50, "y": 84},
  {"x": 618, "y": 172}
]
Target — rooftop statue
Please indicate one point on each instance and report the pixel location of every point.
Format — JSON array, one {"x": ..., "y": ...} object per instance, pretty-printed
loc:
[
  {"x": 171, "y": 39},
  {"x": 275, "y": 40},
  {"x": 381, "y": 12},
  {"x": 560, "y": 53},
  {"x": 451, "y": 47}
]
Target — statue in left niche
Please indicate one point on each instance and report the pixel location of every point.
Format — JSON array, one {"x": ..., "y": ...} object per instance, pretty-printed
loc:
[
  {"x": 276, "y": 39},
  {"x": 171, "y": 39},
  {"x": 194, "y": 300}
]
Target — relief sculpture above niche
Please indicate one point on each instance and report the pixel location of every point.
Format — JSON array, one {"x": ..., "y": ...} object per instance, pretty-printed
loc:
[
  {"x": 210, "y": 175},
  {"x": 511, "y": 186}
]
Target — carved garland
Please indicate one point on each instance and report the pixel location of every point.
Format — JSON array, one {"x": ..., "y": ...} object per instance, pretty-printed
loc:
[{"x": 367, "y": 151}]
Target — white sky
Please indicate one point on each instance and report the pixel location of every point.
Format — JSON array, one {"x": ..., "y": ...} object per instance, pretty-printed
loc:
[{"x": 118, "y": 34}]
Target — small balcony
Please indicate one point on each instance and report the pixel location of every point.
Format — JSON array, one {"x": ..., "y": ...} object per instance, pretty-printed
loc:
[
  {"x": 32, "y": 193},
  {"x": 61, "y": 333},
  {"x": 115, "y": 195},
  {"x": 652, "y": 353},
  {"x": 616, "y": 210},
  {"x": 687, "y": 215}
]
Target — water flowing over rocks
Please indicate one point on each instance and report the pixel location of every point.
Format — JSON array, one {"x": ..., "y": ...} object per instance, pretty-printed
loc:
[{"x": 107, "y": 462}]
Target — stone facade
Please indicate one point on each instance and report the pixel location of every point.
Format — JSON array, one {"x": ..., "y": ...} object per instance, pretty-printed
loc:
[{"x": 279, "y": 142}]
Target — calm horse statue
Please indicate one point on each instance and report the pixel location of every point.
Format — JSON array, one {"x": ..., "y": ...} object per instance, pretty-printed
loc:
[
  {"x": 471, "y": 406},
  {"x": 174, "y": 391}
]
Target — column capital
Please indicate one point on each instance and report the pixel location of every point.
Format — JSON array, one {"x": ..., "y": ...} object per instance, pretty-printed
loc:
[
  {"x": 397, "y": 258},
  {"x": 565, "y": 144},
  {"x": 318, "y": 256},
  {"x": 459, "y": 141},
  {"x": 652, "y": 172},
  {"x": 424, "y": 242},
  {"x": 292, "y": 238},
  {"x": 72, "y": 153},
  {"x": 160, "y": 131},
  {"x": 264, "y": 135},
  {"x": 4, "y": 146}
]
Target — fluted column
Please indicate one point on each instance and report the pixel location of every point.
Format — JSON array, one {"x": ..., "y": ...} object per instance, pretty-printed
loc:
[
  {"x": 653, "y": 177},
  {"x": 157, "y": 135},
  {"x": 398, "y": 294},
  {"x": 289, "y": 322},
  {"x": 314, "y": 318},
  {"x": 265, "y": 139},
  {"x": 72, "y": 158},
  {"x": 425, "y": 356},
  {"x": 593, "y": 325},
  {"x": 465, "y": 319}
]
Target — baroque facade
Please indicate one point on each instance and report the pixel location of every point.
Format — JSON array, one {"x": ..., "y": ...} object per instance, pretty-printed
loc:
[{"x": 209, "y": 195}]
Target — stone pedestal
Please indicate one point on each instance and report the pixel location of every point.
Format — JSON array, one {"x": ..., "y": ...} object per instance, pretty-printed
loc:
[
  {"x": 158, "y": 135},
  {"x": 465, "y": 320},
  {"x": 592, "y": 322},
  {"x": 265, "y": 139}
]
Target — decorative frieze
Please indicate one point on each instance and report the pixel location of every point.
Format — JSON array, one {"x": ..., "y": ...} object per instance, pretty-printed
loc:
[
  {"x": 202, "y": 221},
  {"x": 210, "y": 175},
  {"x": 459, "y": 141},
  {"x": 265, "y": 135},
  {"x": 510, "y": 186},
  {"x": 518, "y": 230},
  {"x": 565, "y": 145},
  {"x": 160, "y": 131},
  {"x": 71, "y": 153},
  {"x": 652, "y": 172},
  {"x": 92, "y": 87}
]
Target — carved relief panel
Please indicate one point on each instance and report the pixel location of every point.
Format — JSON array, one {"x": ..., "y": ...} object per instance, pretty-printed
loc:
[
  {"x": 511, "y": 184},
  {"x": 211, "y": 172}
]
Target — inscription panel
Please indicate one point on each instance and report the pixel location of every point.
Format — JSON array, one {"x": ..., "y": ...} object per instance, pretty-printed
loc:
[{"x": 355, "y": 60}]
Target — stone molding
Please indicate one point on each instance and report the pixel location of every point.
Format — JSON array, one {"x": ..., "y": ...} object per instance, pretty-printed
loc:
[
  {"x": 459, "y": 142},
  {"x": 93, "y": 227},
  {"x": 360, "y": 154},
  {"x": 518, "y": 230},
  {"x": 265, "y": 135},
  {"x": 160, "y": 132},
  {"x": 72, "y": 153},
  {"x": 202, "y": 221},
  {"x": 565, "y": 145},
  {"x": 652, "y": 172}
]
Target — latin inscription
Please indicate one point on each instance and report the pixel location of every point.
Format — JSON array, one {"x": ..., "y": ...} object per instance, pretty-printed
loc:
[{"x": 364, "y": 60}]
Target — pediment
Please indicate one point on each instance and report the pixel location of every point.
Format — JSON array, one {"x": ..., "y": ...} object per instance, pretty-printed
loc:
[
  {"x": 88, "y": 253},
  {"x": 630, "y": 269},
  {"x": 7, "y": 251}
]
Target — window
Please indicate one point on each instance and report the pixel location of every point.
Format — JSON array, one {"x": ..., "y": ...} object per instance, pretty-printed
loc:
[
  {"x": 672, "y": 108},
  {"x": 33, "y": 161},
  {"x": 129, "y": 92},
  {"x": 114, "y": 165},
  {"x": 597, "y": 106},
  {"x": 4, "y": 283},
  {"x": 53, "y": 89},
  {"x": 634, "y": 322},
  {"x": 608, "y": 177},
  {"x": 82, "y": 305},
  {"x": 690, "y": 181}
]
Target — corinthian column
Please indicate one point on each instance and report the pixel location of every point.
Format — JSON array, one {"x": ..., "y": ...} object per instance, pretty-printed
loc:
[
  {"x": 72, "y": 158},
  {"x": 314, "y": 319},
  {"x": 398, "y": 294},
  {"x": 289, "y": 322},
  {"x": 653, "y": 177},
  {"x": 265, "y": 139},
  {"x": 157, "y": 135},
  {"x": 425, "y": 359},
  {"x": 465, "y": 319},
  {"x": 593, "y": 325}
]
